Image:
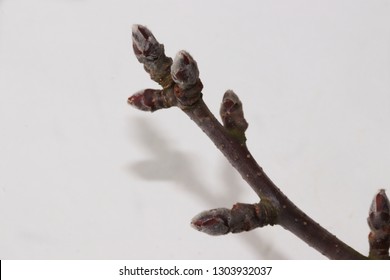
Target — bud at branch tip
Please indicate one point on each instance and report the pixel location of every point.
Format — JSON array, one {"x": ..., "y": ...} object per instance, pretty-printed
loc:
[{"x": 145, "y": 45}]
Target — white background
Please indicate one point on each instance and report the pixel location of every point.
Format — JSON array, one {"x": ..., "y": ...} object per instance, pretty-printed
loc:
[{"x": 85, "y": 176}]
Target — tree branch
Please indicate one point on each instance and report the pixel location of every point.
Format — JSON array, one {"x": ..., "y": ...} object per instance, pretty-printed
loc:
[{"x": 182, "y": 88}]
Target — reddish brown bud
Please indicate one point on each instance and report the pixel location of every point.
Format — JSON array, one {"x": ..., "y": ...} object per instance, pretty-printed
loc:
[
  {"x": 185, "y": 74},
  {"x": 232, "y": 115},
  {"x": 379, "y": 214},
  {"x": 145, "y": 44},
  {"x": 379, "y": 222},
  {"x": 212, "y": 222},
  {"x": 242, "y": 217},
  {"x": 184, "y": 70},
  {"x": 151, "y": 54},
  {"x": 148, "y": 100}
]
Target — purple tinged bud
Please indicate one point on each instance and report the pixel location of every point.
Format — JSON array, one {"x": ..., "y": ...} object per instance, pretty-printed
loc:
[
  {"x": 232, "y": 115},
  {"x": 213, "y": 222},
  {"x": 184, "y": 70},
  {"x": 379, "y": 214},
  {"x": 146, "y": 99},
  {"x": 145, "y": 44}
]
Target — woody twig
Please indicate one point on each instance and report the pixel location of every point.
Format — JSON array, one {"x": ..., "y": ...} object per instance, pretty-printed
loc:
[{"x": 181, "y": 87}]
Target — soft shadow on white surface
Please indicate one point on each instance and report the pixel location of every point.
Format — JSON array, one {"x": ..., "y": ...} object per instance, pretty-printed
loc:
[{"x": 168, "y": 164}]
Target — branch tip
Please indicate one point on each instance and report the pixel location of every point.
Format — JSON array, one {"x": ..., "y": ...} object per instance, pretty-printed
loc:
[{"x": 145, "y": 45}]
